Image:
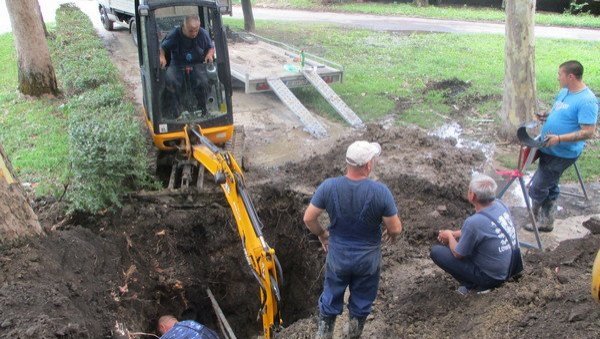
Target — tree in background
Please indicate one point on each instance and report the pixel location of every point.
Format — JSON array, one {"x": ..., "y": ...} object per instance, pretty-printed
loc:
[
  {"x": 36, "y": 73},
  {"x": 519, "y": 101},
  {"x": 249, "y": 25},
  {"x": 17, "y": 219}
]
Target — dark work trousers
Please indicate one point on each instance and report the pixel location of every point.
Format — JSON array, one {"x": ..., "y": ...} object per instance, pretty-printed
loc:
[
  {"x": 182, "y": 79},
  {"x": 544, "y": 185},
  {"x": 463, "y": 270},
  {"x": 355, "y": 268}
]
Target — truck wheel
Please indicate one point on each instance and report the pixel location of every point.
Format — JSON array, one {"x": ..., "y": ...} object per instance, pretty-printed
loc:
[
  {"x": 133, "y": 31},
  {"x": 108, "y": 25}
]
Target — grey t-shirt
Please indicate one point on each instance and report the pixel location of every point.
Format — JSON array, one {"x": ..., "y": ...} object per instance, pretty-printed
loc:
[{"x": 485, "y": 244}]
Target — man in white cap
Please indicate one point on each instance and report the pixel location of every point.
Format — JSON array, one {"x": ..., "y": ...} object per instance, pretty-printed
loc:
[{"x": 357, "y": 206}]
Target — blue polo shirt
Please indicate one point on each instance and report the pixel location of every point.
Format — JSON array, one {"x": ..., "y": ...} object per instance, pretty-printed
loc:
[{"x": 570, "y": 110}]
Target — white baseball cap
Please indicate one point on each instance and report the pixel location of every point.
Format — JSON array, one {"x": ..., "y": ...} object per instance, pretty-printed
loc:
[{"x": 361, "y": 152}]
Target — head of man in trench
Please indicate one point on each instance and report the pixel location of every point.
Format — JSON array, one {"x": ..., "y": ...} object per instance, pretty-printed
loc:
[{"x": 165, "y": 323}]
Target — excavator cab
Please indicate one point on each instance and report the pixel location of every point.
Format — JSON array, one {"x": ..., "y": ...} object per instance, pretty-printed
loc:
[{"x": 192, "y": 93}]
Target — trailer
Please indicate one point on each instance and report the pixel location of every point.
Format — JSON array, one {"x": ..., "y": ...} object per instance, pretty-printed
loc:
[{"x": 262, "y": 64}]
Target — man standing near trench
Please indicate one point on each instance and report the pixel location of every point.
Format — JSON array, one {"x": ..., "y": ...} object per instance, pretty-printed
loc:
[
  {"x": 571, "y": 122},
  {"x": 356, "y": 206}
]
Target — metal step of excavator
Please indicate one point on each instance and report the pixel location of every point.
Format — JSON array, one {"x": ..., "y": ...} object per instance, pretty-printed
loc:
[{"x": 311, "y": 124}]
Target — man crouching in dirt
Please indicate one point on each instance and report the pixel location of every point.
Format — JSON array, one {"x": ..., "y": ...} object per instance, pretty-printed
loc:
[
  {"x": 356, "y": 206},
  {"x": 170, "y": 328},
  {"x": 487, "y": 253}
]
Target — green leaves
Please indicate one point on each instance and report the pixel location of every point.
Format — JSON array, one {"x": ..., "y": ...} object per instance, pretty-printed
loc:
[{"x": 107, "y": 154}]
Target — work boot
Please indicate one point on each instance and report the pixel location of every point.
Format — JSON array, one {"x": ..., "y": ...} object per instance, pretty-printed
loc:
[
  {"x": 355, "y": 327},
  {"x": 325, "y": 330},
  {"x": 540, "y": 219},
  {"x": 549, "y": 210},
  {"x": 536, "y": 208}
]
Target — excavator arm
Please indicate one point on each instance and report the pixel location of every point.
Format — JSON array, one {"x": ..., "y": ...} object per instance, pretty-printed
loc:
[{"x": 260, "y": 257}]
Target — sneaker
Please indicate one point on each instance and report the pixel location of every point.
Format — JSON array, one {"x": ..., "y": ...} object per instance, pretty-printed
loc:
[
  {"x": 462, "y": 290},
  {"x": 484, "y": 291}
]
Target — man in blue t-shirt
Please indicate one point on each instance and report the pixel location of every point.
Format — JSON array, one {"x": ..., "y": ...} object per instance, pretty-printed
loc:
[
  {"x": 479, "y": 254},
  {"x": 188, "y": 46},
  {"x": 571, "y": 121},
  {"x": 357, "y": 206},
  {"x": 170, "y": 328}
]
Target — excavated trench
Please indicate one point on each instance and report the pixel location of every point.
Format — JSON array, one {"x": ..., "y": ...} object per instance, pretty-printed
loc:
[
  {"x": 159, "y": 253},
  {"x": 182, "y": 245}
]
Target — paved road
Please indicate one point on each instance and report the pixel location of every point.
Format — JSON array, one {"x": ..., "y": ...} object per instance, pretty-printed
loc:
[
  {"x": 374, "y": 22},
  {"x": 396, "y": 23}
]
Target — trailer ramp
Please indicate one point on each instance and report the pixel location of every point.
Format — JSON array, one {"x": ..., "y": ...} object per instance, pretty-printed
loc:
[
  {"x": 332, "y": 98},
  {"x": 311, "y": 124}
]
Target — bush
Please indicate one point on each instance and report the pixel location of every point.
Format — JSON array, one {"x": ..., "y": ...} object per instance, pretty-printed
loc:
[{"x": 106, "y": 144}]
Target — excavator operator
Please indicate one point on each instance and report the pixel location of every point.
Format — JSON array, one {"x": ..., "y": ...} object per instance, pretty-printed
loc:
[{"x": 188, "y": 46}]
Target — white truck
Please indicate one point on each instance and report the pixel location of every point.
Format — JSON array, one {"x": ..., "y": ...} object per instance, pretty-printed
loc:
[{"x": 123, "y": 11}]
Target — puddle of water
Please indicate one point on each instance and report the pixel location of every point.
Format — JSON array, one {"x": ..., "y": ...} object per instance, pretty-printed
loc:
[
  {"x": 514, "y": 195},
  {"x": 454, "y": 131}
]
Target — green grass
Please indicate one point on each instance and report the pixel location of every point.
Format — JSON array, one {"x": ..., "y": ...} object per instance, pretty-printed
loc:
[
  {"x": 386, "y": 74},
  {"x": 33, "y": 132},
  {"x": 90, "y": 140},
  {"x": 436, "y": 12},
  {"x": 389, "y": 73}
]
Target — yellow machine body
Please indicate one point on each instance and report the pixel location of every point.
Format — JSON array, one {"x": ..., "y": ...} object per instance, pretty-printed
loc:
[{"x": 596, "y": 278}]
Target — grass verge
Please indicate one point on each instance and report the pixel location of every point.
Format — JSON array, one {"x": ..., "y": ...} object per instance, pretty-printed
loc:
[
  {"x": 106, "y": 146},
  {"x": 34, "y": 133},
  {"x": 435, "y": 12},
  {"x": 90, "y": 140},
  {"x": 428, "y": 79}
]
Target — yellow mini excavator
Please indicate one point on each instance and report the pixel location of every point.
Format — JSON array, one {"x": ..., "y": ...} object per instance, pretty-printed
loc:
[{"x": 189, "y": 114}]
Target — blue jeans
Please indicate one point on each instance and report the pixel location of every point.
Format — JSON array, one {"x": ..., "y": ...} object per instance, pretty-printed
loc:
[
  {"x": 190, "y": 82},
  {"x": 357, "y": 269},
  {"x": 463, "y": 270},
  {"x": 544, "y": 185}
]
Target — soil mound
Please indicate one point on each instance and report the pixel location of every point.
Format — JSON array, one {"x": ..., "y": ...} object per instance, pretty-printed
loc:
[{"x": 158, "y": 254}]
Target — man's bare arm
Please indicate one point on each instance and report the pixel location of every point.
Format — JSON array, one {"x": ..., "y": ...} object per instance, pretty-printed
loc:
[
  {"x": 586, "y": 132},
  {"x": 393, "y": 227},
  {"x": 210, "y": 55},
  {"x": 311, "y": 220}
]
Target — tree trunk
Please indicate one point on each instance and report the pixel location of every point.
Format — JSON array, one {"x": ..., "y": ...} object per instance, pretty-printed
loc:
[
  {"x": 421, "y": 3},
  {"x": 249, "y": 25},
  {"x": 519, "y": 101},
  {"x": 17, "y": 219},
  {"x": 39, "y": 9},
  {"x": 36, "y": 73}
]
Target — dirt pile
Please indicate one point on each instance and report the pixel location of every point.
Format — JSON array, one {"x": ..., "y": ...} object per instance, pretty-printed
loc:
[{"x": 158, "y": 255}]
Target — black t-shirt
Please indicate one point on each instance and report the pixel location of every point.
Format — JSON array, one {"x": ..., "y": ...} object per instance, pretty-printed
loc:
[{"x": 186, "y": 51}]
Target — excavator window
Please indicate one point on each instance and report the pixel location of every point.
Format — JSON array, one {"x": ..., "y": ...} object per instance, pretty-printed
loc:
[{"x": 190, "y": 90}]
